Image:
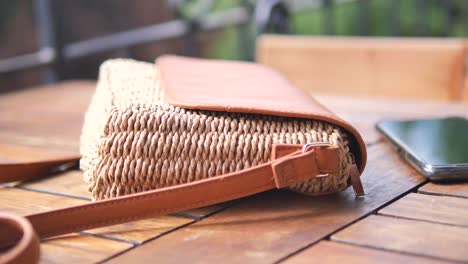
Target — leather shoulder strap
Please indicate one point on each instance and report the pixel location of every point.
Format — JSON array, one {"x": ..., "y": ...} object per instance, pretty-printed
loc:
[
  {"x": 25, "y": 171},
  {"x": 23, "y": 232}
]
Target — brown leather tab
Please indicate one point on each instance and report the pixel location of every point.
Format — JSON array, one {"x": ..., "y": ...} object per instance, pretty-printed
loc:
[
  {"x": 325, "y": 159},
  {"x": 356, "y": 181},
  {"x": 281, "y": 150},
  {"x": 292, "y": 169},
  {"x": 246, "y": 88},
  {"x": 326, "y": 155}
]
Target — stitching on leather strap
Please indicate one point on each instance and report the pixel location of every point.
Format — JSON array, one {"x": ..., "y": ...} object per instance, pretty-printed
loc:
[
  {"x": 126, "y": 200},
  {"x": 160, "y": 211}
]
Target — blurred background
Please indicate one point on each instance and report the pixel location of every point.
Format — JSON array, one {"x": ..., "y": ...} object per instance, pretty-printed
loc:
[{"x": 45, "y": 41}]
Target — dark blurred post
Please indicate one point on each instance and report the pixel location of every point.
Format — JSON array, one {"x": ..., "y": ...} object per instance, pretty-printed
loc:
[
  {"x": 447, "y": 7},
  {"x": 328, "y": 17},
  {"x": 422, "y": 17},
  {"x": 394, "y": 17},
  {"x": 245, "y": 41},
  {"x": 363, "y": 17},
  {"x": 49, "y": 48},
  {"x": 271, "y": 15}
]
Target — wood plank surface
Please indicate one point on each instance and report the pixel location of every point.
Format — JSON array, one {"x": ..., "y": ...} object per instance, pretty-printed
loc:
[
  {"x": 450, "y": 189},
  {"x": 266, "y": 227},
  {"x": 408, "y": 236},
  {"x": 140, "y": 231},
  {"x": 199, "y": 213},
  {"x": 365, "y": 112},
  {"x": 332, "y": 252},
  {"x": 70, "y": 183},
  {"x": 440, "y": 209},
  {"x": 31, "y": 116},
  {"x": 25, "y": 202},
  {"x": 17, "y": 153},
  {"x": 392, "y": 67},
  {"x": 79, "y": 249}
]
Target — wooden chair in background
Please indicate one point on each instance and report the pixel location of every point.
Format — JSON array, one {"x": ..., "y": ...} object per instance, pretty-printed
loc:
[
  {"x": 411, "y": 68},
  {"x": 465, "y": 89}
]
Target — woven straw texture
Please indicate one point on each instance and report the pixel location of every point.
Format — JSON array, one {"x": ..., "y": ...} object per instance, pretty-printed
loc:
[{"x": 133, "y": 141}]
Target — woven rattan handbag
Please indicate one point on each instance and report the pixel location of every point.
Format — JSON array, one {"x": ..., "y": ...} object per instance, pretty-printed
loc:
[{"x": 184, "y": 133}]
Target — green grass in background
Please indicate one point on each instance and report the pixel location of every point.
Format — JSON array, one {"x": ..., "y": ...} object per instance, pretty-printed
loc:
[{"x": 309, "y": 22}]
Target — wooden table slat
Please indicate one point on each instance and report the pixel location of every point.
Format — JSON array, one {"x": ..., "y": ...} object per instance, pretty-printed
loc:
[
  {"x": 80, "y": 249},
  {"x": 140, "y": 231},
  {"x": 331, "y": 252},
  {"x": 441, "y": 209},
  {"x": 451, "y": 189},
  {"x": 25, "y": 202},
  {"x": 48, "y": 116},
  {"x": 365, "y": 112},
  {"x": 266, "y": 227},
  {"x": 66, "y": 183},
  {"x": 408, "y": 236}
]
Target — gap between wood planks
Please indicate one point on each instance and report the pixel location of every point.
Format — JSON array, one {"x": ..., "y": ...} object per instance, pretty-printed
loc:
[
  {"x": 327, "y": 237},
  {"x": 390, "y": 210},
  {"x": 379, "y": 140},
  {"x": 165, "y": 233},
  {"x": 416, "y": 219},
  {"x": 408, "y": 236},
  {"x": 397, "y": 252}
]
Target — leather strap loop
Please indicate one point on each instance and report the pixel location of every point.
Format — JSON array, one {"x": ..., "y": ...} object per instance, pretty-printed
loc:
[
  {"x": 22, "y": 239},
  {"x": 281, "y": 172},
  {"x": 25, "y": 171}
]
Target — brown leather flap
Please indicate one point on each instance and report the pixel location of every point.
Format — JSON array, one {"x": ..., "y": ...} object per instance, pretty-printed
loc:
[{"x": 242, "y": 87}]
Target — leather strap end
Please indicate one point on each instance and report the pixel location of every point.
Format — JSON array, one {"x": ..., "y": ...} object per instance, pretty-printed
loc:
[
  {"x": 282, "y": 150},
  {"x": 356, "y": 181},
  {"x": 24, "y": 171},
  {"x": 18, "y": 229},
  {"x": 295, "y": 168},
  {"x": 295, "y": 165}
]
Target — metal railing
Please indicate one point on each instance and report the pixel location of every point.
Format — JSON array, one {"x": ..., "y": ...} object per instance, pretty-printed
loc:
[
  {"x": 266, "y": 16},
  {"x": 52, "y": 52}
]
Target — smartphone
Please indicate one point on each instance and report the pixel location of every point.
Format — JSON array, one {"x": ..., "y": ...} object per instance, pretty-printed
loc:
[{"x": 438, "y": 148}]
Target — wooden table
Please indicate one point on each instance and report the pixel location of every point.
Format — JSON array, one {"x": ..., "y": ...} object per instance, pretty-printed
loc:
[{"x": 402, "y": 218}]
